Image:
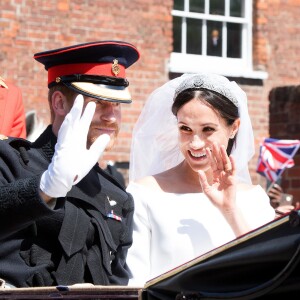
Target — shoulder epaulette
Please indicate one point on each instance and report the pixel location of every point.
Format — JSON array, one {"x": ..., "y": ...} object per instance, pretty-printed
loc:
[
  {"x": 19, "y": 142},
  {"x": 22, "y": 146}
]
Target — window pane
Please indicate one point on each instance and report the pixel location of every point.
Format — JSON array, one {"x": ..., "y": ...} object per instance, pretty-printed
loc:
[
  {"x": 237, "y": 8},
  {"x": 217, "y": 7},
  {"x": 197, "y": 6},
  {"x": 179, "y": 4},
  {"x": 234, "y": 40},
  {"x": 194, "y": 36},
  {"x": 214, "y": 38},
  {"x": 177, "y": 34}
]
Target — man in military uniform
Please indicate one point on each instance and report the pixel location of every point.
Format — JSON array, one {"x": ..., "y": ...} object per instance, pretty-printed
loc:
[{"x": 63, "y": 220}]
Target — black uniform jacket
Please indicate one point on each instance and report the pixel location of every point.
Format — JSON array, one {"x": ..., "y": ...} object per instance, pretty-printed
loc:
[{"x": 86, "y": 236}]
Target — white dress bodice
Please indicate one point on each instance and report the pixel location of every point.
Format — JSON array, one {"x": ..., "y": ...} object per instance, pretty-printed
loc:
[{"x": 172, "y": 229}]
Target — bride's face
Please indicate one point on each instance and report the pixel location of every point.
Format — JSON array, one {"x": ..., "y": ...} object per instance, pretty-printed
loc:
[{"x": 199, "y": 126}]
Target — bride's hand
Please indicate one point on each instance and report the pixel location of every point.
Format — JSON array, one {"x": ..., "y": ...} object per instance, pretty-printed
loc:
[{"x": 222, "y": 190}]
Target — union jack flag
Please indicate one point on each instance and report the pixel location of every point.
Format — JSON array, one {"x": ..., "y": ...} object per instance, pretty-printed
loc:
[{"x": 276, "y": 155}]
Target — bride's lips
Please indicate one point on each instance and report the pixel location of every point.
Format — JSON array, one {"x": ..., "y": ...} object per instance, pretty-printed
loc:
[{"x": 199, "y": 156}]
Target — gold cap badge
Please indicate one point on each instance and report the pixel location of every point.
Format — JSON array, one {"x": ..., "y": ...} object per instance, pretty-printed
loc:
[{"x": 115, "y": 67}]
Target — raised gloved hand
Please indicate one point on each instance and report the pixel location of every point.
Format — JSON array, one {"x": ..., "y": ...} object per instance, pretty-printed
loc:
[{"x": 72, "y": 160}]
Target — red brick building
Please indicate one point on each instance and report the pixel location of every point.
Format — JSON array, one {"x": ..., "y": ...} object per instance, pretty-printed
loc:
[{"x": 265, "y": 35}]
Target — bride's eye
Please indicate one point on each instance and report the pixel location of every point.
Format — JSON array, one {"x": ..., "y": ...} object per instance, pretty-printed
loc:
[
  {"x": 184, "y": 128},
  {"x": 207, "y": 129}
]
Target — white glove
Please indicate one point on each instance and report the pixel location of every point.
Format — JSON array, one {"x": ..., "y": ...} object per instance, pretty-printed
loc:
[{"x": 72, "y": 160}]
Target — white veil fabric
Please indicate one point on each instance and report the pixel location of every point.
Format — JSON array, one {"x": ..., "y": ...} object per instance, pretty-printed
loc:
[{"x": 154, "y": 146}]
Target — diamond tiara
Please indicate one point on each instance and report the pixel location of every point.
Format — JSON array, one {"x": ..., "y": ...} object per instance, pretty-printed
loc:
[{"x": 212, "y": 82}]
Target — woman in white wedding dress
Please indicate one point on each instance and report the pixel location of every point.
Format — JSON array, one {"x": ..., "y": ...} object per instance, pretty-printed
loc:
[{"x": 189, "y": 174}]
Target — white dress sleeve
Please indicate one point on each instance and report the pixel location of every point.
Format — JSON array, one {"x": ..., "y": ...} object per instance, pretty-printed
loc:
[
  {"x": 255, "y": 207},
  {"x": 138, "y": 257}
]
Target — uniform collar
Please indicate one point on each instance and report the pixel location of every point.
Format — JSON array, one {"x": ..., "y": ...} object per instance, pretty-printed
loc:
[{"x": 46, "y": 142}]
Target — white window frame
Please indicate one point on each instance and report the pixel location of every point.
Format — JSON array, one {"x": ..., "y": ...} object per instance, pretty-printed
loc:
[{"x": 233, "y": 67}]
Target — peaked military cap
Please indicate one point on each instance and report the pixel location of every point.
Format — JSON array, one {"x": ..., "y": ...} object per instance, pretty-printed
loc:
[{"x": 95, "y": 69}]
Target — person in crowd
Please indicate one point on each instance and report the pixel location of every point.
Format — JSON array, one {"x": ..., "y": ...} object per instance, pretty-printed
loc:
[
  {"x": 189, "y": 174},
  {"x": 281, "y": 202},
  {"x": 12, "y": 113},
  {"x": 63, "y": 219}
]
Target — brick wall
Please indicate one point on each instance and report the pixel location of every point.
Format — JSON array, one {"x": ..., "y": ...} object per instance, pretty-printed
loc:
[
  {"x": 285, "y": 124},
  {"x": 30, "y": 26},
  {"x": 275, "y": 50}
]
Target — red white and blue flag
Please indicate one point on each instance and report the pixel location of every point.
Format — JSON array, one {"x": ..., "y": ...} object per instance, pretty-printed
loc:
[{"x": 276, "y": 155}]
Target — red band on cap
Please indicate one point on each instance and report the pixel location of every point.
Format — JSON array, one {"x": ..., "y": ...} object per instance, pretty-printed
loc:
[{"x": 104, "y": 69}]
